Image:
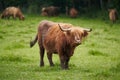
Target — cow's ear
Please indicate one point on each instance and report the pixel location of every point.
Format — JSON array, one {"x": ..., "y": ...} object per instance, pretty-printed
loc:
[{"x": 85, "y": 33}]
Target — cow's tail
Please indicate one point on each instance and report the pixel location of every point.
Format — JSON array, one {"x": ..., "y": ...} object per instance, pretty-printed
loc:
[{"x": 32, "y": 42}]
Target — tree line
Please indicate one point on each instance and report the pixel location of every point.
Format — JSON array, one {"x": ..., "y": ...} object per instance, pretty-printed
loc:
[{"x": 34, "y": 6}]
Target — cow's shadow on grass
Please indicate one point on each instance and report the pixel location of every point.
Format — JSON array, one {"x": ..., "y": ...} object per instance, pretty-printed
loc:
[{"x": 57, "y": 68}]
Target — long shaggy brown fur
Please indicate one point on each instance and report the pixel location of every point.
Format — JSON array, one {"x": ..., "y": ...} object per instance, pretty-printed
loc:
[
  {"x": 12, "y": 11},
  {"x": 61, "y": 38}
]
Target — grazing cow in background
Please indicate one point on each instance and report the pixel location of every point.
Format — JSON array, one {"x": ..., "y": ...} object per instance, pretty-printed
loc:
[
  {"x": 50, "y": 11},
  {"x": 113, "y": 15},
  {"x": 12, "y": 11},
  {"x": 73, "y": 13},
  {"x": 61, "y": 38}
]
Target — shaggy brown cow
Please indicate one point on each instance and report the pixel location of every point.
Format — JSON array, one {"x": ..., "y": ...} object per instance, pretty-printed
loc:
[
  {"x": 50, "y": 11},
  {"x": 113, "y": 16},
  {"x": 61, "y": 38},
  {"x": 73, "y": 13},
  {"x": 14, "y": 12}
]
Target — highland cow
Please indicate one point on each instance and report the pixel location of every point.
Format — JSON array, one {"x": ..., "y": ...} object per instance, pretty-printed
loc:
[
  {"x": 50, "y": 11},
  {"x": 61, "y": 38},
  {"x": 113, "y": 15},
  {"x": 73, "y": 13},
  {"x": 14, "y": 12}
]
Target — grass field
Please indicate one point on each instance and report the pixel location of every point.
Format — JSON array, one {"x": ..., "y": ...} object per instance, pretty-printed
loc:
[{"x": 98, "y": 58}]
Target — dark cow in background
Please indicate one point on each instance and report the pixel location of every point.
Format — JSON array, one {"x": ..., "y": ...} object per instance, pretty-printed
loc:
[
  {"x": 73, "y": 13},
  {"x": 50, "y": 11},
  {"x": 113, "y": 15},
  {"x": 61, "y": 38},
  {"x": 14, "y": 12}
]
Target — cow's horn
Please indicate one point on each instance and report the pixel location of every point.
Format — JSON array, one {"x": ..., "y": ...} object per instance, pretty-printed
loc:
[
  {"x": 88, "y": 30},
  {"x": 63, "y": 29}
]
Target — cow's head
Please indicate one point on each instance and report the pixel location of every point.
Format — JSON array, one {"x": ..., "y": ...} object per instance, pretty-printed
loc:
[
  {"x": 43, "y": 9},
  {"x": 75, "y": 34},
  {"x": 22, "y": 17}
]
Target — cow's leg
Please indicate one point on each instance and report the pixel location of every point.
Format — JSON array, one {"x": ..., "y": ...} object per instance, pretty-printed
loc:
[
  {"x": 41, "y": 55},
  {"x": 62, "y": 61},
  {"x": 8, "y": 17},
  {"x": 49, "y": 55},
  {"x": 66, "y": 62},
  {"x": 14, "y": 16}
]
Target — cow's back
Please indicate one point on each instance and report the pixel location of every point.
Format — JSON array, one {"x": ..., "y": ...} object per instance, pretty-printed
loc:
[
  {"x": 43, "y": 28},
  {"x": 12, "y": 10}
]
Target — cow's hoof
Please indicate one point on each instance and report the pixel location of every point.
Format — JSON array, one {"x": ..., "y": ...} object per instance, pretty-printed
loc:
[
  {"x": 41, "y": 65},
  {"x": 65, "y": 68}
]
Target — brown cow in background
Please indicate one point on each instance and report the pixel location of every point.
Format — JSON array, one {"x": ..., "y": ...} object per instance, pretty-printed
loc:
[
  {"x": 73, "y": 13},
  {"x": 12, "y": 11},
  {"x": 61, "y": 38},
  {"x": 113, "y": 15},
  {"x": 50, "y": 11}
]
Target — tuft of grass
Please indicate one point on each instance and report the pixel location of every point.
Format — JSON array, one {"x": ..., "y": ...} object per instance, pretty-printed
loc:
[
  {"x": 13, "y": 58},
  {"x": 3, "y": 32},
  {"x": 1, "y": 37},
  {"x": 112, "y": 39},
  {"x": 116, "y": 68},
  {"x": 103, "y": 74},
  {"x": 96, "y": 53},
  {"x": 15, "y": 46}
]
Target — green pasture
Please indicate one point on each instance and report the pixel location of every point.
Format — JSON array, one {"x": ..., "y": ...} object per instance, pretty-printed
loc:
[{"x": 97, "y": 58}]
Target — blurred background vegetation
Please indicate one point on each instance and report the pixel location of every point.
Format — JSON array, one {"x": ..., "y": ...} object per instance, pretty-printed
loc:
[{"x": 89, "y": 7}]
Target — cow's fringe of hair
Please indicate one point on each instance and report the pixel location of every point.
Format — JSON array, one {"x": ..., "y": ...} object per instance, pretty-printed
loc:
[{"x": 32, "y": 43}]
